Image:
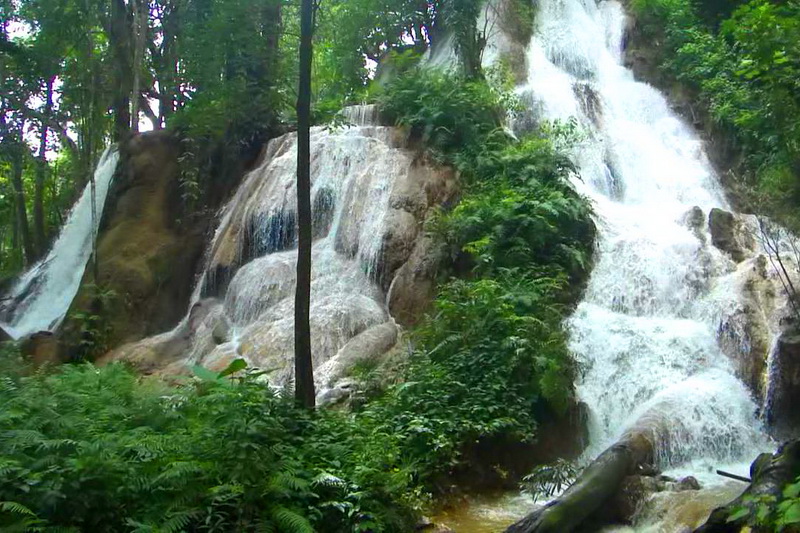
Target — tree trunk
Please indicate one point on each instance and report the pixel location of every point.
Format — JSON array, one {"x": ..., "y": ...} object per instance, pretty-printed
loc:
[
  {"x": 769, "y": 474},
  {"x": 597, "y": 484},
  {"x": 21, "y": 210},
  {"x": 41, "y": 175},
  {"x": 138, "y": 30},
  {"x": 304, "y": 372},
  {"x": 119, "y": 37}
]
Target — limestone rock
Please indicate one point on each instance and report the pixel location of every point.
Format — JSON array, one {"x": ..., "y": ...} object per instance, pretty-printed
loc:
[
  {"x": 398, "y": 243},
  {"x": 366, "y": 346},
  {"x": 694, "y": 220},
  {"x": 42, "y": 348}
]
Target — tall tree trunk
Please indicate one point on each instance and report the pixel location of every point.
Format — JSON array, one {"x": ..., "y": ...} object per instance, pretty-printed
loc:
[
  {"x": 304, "y": 372},
  {"x": 41, "y": 175},
  {"x": 21, "y": 210},
  {"x": 118, "y": 29},
  {"x": 139, "y": 30}
]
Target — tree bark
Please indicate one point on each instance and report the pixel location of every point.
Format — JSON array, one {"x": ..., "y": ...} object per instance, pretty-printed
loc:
[
  {"x": 770, "y": 474},
  {"x": 596, "y": 485},
  {"x": 304, "y": 372},
  {"x": 41, "y": 175},
  {"x": 138, "y": 30},
  {"x": 119, "y": 36},
  {"x": 19, "y": 200}
]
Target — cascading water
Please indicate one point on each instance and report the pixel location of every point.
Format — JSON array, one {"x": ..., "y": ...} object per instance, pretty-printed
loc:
[
  {"x": 39, "y": 300},
  {"x": 646, "y": 332}
]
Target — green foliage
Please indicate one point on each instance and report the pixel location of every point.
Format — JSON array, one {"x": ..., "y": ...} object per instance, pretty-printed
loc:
[
  {"x": 99, "y": 449},
  {"x": 768, "y": 513},
  {"x": 90, "y": 327},
  {"x": 448, "y": 113},
  {"x": 549, "y": 480},
  {"x": 526, "y": 236}
]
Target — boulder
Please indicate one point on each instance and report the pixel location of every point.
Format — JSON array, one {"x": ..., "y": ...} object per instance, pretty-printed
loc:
[
  {"x": 724, "y": 227},
  {"x": 42, "y": 348},
  {"x": 367, "y": 346},
  {"x": 770, "y": 475},
  {"x": 398, "y": 243},
  {"x": 694, "y": 220},
  {"x": 414, "y": 285}
]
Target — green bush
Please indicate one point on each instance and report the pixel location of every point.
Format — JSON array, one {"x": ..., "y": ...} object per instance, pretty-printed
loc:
[
  {"x": 492, "y": 357},
  {"x": 767, "y": 513}
]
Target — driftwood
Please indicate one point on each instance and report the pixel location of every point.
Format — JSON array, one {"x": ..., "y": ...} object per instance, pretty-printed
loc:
[
  {"x": 770, "y": 474},
  {"x": 598, "y": 483}
]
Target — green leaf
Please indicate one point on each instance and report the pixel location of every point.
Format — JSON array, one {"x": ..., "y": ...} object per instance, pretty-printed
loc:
[
  {"x": 738, "y": 514},
  {"x": 236, "y": 366},
  {"x": 204, "y": 373}
]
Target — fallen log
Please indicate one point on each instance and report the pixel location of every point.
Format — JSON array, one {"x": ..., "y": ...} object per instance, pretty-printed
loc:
[
  {"x": 596, "y": 485},
  {"x": 770, "y": 474}
]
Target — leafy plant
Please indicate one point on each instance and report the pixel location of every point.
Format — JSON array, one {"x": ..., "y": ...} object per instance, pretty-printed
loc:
[
  {"x": 547, "y": 481},
  {"x": 768, "y": 513}
]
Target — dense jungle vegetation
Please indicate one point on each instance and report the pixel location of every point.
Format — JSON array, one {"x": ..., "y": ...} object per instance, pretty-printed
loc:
[
  {"x": 107, "y": 451},
  {"x": 218, "y": 453},
  {"x": 101, "y": 449}
]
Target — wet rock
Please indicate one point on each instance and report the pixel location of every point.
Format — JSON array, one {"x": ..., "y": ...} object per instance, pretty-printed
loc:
[
  {"x": 146, "y": 257},
  {"x": 398, "y": 243},
  {"x": 266, "y": 234},
  {"x": 723, "y": 227},
  {"x": 339, "y": 393},
  {"x": 694, "y": 220},
  {"x": 413, "y": 288},
  {"x": 322, "y": 211},
  {"x": 222, "y": 331},
  {"x": 42, "y": 348},
  {"x": 4, "y": 336},
  {"x": 429, "y": 526},
  {"x": 687, "y": 483},
  {"x": 636, "y": 490},
  {"x": 744, "y": 332},
  {"x": 367, "y": 346},
  {"x": 783, "y": 414}
]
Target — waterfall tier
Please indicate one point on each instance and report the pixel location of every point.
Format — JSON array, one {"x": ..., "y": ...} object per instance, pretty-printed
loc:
[{"x": 370, "y": 196}]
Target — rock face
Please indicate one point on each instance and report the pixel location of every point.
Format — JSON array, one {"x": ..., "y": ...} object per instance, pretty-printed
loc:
[
  {"x": 371, "y": 194},
  {"x": 146, "y": 258},
  {"x": 783, "y": 413},
  {"x": 42, "y": 348}
]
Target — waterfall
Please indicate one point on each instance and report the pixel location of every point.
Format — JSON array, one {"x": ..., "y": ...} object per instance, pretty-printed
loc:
[
  {"x": 41, "y": 297},
  {"x": 370, "y": 193},
  {"x": 645, "y": 334}
]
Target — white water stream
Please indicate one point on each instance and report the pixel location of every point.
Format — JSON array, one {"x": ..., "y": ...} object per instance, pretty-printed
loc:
[
  {"x": 645, "y": 333},
  {"x": 41, "y": 297}
]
